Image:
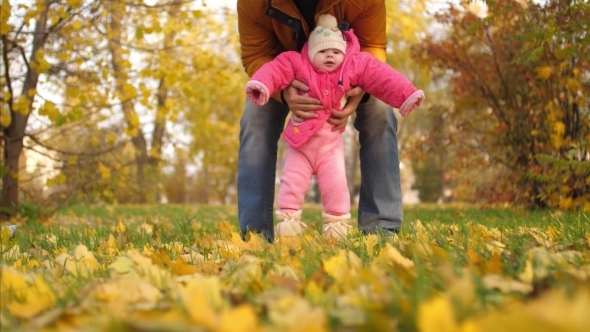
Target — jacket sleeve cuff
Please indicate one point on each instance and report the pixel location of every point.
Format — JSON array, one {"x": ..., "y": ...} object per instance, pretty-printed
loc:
[{"x": 411, "y": 103}]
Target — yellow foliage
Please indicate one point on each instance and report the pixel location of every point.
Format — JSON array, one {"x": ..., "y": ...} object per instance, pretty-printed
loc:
[
  {"x": 105, "y": 172},
  {"x": 576, "y": 71},
  {"x": 133, "y": 121},
  {"x": 5, "y": 118},
  {"x": 240, "y": 319},
  {"x": 573, "y": 85},
  {"x": 26, "y": 297},
  {"x": 111, "y": 138},
  {"x": 22, "y": 105},
  {"x": 49, "y": 110},
  {"x": 40, "y": 64},
  {"x": 566, "y": 203},
  {"x": 390, "y": 255},
  {"x": 557, "y": 135},
  {"x": 64, "y": 56},
  {"x": 122, "y": 293},
  {"x": 527, "y": 274},
  {"x": 201, "y": 298},
  {"x": 341, "y": 265},
  {"x": 74, "y": 3},
  {"x": 544, "y": 72},
  {"x": 128, "y": 92},
  {"x": 287, "y": 315},
  {"x": 554, "y": 311},
  {"x": 82, "y": 265},
  {"x": 77, "y": 25},
  {"x": 437, "y": 315},
  {"x": 506, "y": 285},
  {"x": 60, "y": 179},
  {"x": 222, "y": 283},
  {"x": 73, "y": 92},
  {"x": 5, "y": 13},
  {"x": 120, "y": 227}
]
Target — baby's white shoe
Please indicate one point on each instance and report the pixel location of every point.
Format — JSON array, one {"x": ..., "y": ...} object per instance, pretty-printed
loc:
[
  {"x": 289, "y": 223},
  {"x": 335, "y": 227}
]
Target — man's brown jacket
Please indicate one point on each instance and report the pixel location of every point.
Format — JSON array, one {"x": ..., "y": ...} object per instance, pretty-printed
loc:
[{"x": 269, "y": 27}]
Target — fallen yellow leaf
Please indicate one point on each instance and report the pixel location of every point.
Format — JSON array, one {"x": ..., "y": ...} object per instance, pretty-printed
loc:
[
  {"x": 25, "y": 298},
  {"x": 240, "y": 319},
  {"x": 437, "y": 315},
  {"x": 505, "y": 284},
  {"x": 341, "y": 265}
]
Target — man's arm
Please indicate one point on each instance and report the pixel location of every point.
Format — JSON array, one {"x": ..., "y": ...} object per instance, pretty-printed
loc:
[
  {"x": 258, "y": 41},
  {"x": 369, "y": 27}
]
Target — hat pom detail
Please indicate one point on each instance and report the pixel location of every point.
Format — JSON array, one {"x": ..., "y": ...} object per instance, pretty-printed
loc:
[{"x": 327, "y": 21}]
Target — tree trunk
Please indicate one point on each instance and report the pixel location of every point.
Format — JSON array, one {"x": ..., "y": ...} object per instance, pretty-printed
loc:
[
  {"x": 162, "y": 95},
  {"x": 14, "y": 133},
  {"x": 137, "y": 137}
]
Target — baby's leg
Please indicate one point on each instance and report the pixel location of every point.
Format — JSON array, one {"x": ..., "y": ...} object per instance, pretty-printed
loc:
[
  {"x": 295, "y": 181},
  {"x": 331, "y": 177}
]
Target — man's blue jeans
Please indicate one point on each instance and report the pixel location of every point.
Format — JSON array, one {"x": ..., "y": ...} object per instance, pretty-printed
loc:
[{"x": 380, "y": 204}]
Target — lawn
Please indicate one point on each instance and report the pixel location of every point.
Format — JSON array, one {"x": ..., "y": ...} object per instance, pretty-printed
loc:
[{"x": 185, "y": 268}]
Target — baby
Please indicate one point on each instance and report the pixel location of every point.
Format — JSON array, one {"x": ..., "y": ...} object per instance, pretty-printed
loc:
[{"x": 330, "y": 63}]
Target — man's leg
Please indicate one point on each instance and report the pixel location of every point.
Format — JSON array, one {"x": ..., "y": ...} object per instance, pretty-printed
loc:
[
  {"x": 260, "y": 130},
  {"x": 380, "y": 204}
]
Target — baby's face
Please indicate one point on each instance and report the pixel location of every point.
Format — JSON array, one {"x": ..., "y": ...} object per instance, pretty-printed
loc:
[{"x": 328, "y": 59}]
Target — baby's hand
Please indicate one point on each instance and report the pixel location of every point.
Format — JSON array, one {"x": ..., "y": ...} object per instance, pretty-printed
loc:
[
  {"x": 297, "y": 118},
  {"x": 257, "y": 92}
]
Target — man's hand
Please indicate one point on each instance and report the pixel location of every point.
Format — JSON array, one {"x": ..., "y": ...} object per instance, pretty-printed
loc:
[
  {"x": 302, "y": 107},
  {"x": 339, "y": 119}
]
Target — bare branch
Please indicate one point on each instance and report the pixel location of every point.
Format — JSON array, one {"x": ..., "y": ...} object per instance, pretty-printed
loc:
[{"x": 69, "y": 153}]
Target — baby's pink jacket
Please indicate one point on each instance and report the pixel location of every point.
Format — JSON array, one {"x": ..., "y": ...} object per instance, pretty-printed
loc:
[{"x": 358, "y": 69}]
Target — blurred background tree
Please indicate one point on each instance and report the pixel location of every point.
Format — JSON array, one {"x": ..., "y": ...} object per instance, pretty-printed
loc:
[
  {"x": 97, "y": 90},
  {"x": 519, "y": 79}
]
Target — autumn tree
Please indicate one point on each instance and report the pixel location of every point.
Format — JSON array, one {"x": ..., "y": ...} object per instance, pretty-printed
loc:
[
  {"x": 105, "y": 82},
  {"x": 26, "y": 30},
  {"x": 212, "y": 114},
  {"x": 406, "y": 23},
  {"x": 519, "y": 78},
  {"x": 183, "y": 79}
]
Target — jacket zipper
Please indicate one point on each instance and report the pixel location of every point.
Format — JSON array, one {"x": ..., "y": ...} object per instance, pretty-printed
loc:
[{"x": 341, "y": 77}]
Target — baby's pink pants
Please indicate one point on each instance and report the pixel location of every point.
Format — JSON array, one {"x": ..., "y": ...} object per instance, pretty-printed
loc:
[{"x": 322, "y": 155}]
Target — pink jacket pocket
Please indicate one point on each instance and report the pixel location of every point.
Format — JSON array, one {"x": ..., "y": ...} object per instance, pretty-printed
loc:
[{"x": 298, "y": 133}]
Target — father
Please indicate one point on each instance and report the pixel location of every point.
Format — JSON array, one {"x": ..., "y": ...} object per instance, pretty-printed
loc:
[{"x": 269, "y": 27}]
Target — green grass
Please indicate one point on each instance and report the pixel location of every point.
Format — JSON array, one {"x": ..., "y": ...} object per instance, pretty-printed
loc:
[
  {"x": 177, "y": 223},
  {"x": 505, "y": 217}
]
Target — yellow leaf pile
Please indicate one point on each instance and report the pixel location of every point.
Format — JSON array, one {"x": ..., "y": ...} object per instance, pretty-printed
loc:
[{"x": 435, "y": 277}]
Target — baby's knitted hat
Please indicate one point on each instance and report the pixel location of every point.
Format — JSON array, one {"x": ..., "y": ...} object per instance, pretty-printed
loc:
[{"x": 326, "y": 35}]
